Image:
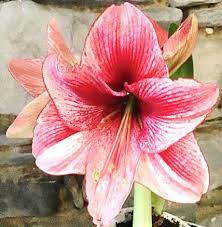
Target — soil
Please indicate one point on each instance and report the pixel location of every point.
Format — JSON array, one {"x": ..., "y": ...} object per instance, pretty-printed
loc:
[{"x": 157, "y": 222}]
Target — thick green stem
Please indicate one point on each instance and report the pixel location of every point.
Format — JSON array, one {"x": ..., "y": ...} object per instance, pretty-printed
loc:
[{"x": 142, "y": 214}]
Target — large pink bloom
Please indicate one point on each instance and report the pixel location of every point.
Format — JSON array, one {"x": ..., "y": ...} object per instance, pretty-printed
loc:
[
  {"x": 124, "y": 119},
  {"x": 28, "y": 73},
  {"x": 117, "y": 117}
]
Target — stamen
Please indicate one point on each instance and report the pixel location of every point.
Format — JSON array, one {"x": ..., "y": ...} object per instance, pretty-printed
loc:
[
  {"x": 121, "y": 142},
  {"x": 95, "y": 175}
]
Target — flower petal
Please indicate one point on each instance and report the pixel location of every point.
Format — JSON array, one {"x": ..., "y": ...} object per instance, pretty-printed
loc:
[
  {"x": 25, "y": 122},
  {"x": 169, "y": 110},
  {"x": 28, "y": 73},
  {"x": 65, "y": 157},
  {"x": 181, "y": 44},
  {"x": 162, "y": 34},
  {"x": 122, "y": 46},
  {"x": 57, "y": 45},
  {"x": 82, "y": 100},
  {"x": 108, "y": 183},
  {"x": 49, "y": 130},
  {"x": 179, "y": 174}
]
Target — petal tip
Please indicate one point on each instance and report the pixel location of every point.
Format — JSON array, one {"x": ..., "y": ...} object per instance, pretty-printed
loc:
[
  {"x": 181, "y": 44},
  {"x": 215, "y": 93},
  {"x": 14, "y": 132},
  {"x": 194, "y": 19},
  {"x": 52, "y": 21},
  {"x": 9, "y": 133},
  {"x": 11, "y": 66}
]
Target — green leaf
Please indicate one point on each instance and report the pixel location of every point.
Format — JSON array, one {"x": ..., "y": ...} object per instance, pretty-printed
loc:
[
  {"x": 186, "y": 69},
  {"x": 157, "y": 203},
  {"x": 172, "y": 28}
]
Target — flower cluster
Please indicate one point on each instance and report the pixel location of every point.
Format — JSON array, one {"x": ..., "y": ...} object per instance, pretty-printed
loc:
[{"x": 115, "y": 115}]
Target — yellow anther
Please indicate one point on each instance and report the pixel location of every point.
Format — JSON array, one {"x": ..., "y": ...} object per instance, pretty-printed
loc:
[
  {"x": 111, "y": 168},
  {"x": 95, "y": 175}
]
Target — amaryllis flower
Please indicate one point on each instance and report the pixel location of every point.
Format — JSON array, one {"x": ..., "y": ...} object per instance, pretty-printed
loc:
[
  {"x": 28, "y": 72},
  {"x": 124, "y": 119}
]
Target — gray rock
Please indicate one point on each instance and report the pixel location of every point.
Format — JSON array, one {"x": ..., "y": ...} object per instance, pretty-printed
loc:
[
  {"x": 74, "y": 187},
  {"x": 188, "y": 3},
  {"x": 16, "y": 159},
  {"x": 25, "y": 191},
  {"x": 209, "y": 17},
  {"x": 186, "y": 212},
  {"x": 14, "y": 145},
  {"x": 209, "y": 206},
  {"x": 72, "y": 218},
  {"x": 207, "y": 58},
  {"x": 5, "y": 121},
  {"x": 214, "y": 221},
  {"x": 87, "y": 3},
  {"x": 209, "y": 139},
  {"x": 165, "y": 15}
]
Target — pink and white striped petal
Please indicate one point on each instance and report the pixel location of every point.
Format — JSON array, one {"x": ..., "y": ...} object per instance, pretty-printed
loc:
[
  {"x": 110, "y": 171},
  {"x": 49, "y": 130},
  {"x": 81, "y": 100},
  {"x": 25, "y": 122},
  {"x": 57, "y": 44},
  {"x": 161, "y": 34},
  {"x": 122, "y": 46},
  {"x": 169, "y": 110},
  {"x": 180, "y": 45},
  {"x": 179, "y": 174},
  {"x": 28, "y": 73},
  {"x": 65, "y": 157}
]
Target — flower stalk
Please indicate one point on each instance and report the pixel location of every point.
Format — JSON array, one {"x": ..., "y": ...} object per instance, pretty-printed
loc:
[{"x": 142, "y": 213}]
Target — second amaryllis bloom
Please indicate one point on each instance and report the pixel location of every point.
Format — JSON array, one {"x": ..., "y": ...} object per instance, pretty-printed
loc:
[
  {"x": 28, "y": 73},
  {"x": 123, "y": 118}
]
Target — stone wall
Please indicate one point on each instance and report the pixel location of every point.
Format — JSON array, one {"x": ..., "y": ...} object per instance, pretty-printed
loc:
[{"x": 30, "y": 198}]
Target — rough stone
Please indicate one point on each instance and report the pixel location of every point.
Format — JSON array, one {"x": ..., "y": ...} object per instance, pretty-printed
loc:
[
  {"x": 215, "y": 221},
  {"x": 5, "y": 122},
  {"x": 209, "y": 139},
  {"x": 74, "y": 187},
  {"x": 209, "y": 206},
  {"x": 207, "y": 58},
  {"x": 14, "y": 158},
  {"x": 215, "y": 115},
  {"x": 87, "y": 3},
  {"x": 212, "y": 198},
  {"x": 25, "y": 191},
  {"x": 184, "y": 211},
  {"x": 14, "y": 145},
  {"x": 209, "y": 17},
  {"x": 188, "y": 3},
  {"x": 165, "y": 15},
  {"x": 73, "y": 218}
]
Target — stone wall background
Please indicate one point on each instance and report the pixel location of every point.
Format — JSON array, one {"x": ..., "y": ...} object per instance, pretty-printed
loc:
[{"x": 30, "y": 198}]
